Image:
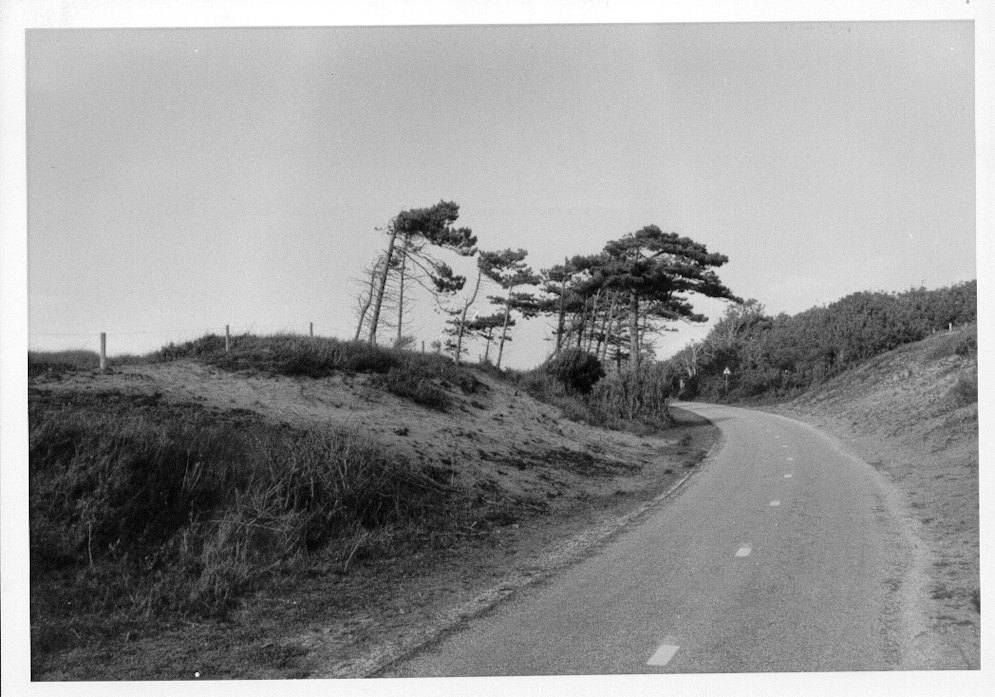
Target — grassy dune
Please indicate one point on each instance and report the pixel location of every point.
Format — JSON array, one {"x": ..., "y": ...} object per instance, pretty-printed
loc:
[{"x": 178, "y": 486}]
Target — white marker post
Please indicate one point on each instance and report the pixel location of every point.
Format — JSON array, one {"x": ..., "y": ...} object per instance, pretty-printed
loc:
[
  {"x": 727, "y": 373},
  {"x": 103, "y": 350}
]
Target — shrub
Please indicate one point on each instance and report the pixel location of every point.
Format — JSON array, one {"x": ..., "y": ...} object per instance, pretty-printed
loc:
[
  {"x": 414, "y": 387},
  {"x": 541, "y": 386},
  {"x": 577, "y": 370},
  {"x": 968, "y": 344},
  {"x": 965, "y": 390},
  {"x": 634, "y": 395}
]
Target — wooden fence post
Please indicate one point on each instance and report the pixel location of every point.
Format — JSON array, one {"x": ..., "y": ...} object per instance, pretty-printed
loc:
[
  {"x": 227, "y": 339},
  {"x": 103, "y": 350},
  {"x": 311, "y": 329}
]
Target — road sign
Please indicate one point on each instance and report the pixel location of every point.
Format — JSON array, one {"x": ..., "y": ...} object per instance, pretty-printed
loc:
[{"x": 727, "y": 371}]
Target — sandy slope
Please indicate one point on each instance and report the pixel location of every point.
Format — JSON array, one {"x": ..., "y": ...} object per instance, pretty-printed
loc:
[{"x": 496, "y": 434}]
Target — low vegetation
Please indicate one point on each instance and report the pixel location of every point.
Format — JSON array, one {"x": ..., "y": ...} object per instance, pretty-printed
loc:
[
  {"x": 141, "y": 509},
  {"x": 415, "y": 376},
  {"x": 145, "y": 507},
  {"x": 575, "y": 381},
  {"x": 172, "y": 510},
  {"x": 777, "y": 357},
  {"x": 60, "y": 361}
]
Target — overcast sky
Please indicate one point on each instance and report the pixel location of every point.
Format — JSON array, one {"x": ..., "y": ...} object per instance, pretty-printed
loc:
[{"x": 184, "y": 179}]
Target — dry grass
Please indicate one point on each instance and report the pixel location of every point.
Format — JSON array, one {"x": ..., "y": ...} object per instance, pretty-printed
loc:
[{"x": 145, "y": 510}]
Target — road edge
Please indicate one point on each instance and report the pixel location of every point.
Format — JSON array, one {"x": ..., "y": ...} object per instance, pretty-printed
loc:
[{"x": 571, "y": 551}]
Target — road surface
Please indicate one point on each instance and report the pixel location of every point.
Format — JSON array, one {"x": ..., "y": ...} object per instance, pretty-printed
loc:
[{"x": 783, "y": 553}]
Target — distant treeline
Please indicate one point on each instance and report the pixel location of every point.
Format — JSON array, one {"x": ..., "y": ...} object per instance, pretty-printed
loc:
[{"x": 777, "y": 356}]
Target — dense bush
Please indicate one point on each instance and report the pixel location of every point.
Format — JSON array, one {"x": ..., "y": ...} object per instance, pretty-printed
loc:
[
  {"x": 779, "y": 356},
  {"x": 577, "y": 370},
  {"x": 634, "y": 395},
  {"x": 621, "y": 401}
]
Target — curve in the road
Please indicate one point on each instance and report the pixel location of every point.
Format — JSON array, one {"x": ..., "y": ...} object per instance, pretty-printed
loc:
[{"x": 784, "y": 553}]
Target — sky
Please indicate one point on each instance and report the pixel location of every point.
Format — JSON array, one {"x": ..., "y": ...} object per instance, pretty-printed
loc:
[{"x": 179, "y": 180}]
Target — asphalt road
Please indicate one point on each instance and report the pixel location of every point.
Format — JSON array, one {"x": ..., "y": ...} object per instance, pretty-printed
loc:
[{"x": 783, "y": 553}]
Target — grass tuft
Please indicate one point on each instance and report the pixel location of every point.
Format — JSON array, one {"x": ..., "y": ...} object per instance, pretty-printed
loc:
[
  {"x": 965, "y": 390},
  {"x": 40, "y": 362},
  {"x": 414, "y": 387}
]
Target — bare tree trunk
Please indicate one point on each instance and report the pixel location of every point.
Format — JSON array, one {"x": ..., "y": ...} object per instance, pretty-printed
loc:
[
  {"x": 400, "y": 299},
  {"x": 365, "y": 304},
  {"x": 563, "y": 294},
  {"x": 618, "y": 342},
  {"x": 594, "y": 321},
  {"x": 605, "y": 328},
  {"x": 462, "y": 322},
  {"x": 372, "y": 337},
  {"x": 633, "y": 330},
  {"x": 504, "y": 328},
  {"x": 488, "y": 339}
]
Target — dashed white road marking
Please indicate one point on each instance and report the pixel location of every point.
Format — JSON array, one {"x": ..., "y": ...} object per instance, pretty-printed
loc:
[
  {"x": 775, "y": 503},
  {"x": 788, "y": 475},
  {"x": 744, "y": 551},
  {"x": 791, "y": 459},
  {"x": 784, "y": 446},
  {"x": 662, "y": 655}
]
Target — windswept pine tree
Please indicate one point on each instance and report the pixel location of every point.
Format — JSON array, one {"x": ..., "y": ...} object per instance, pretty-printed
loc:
[
  {"x": 410, "y": 234},
  {"x": 484, "y": 327},
  {"x": 613, "y": 300},
  {"x": 564, "y": 298},
  {"x": 656, "y": 271}
]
